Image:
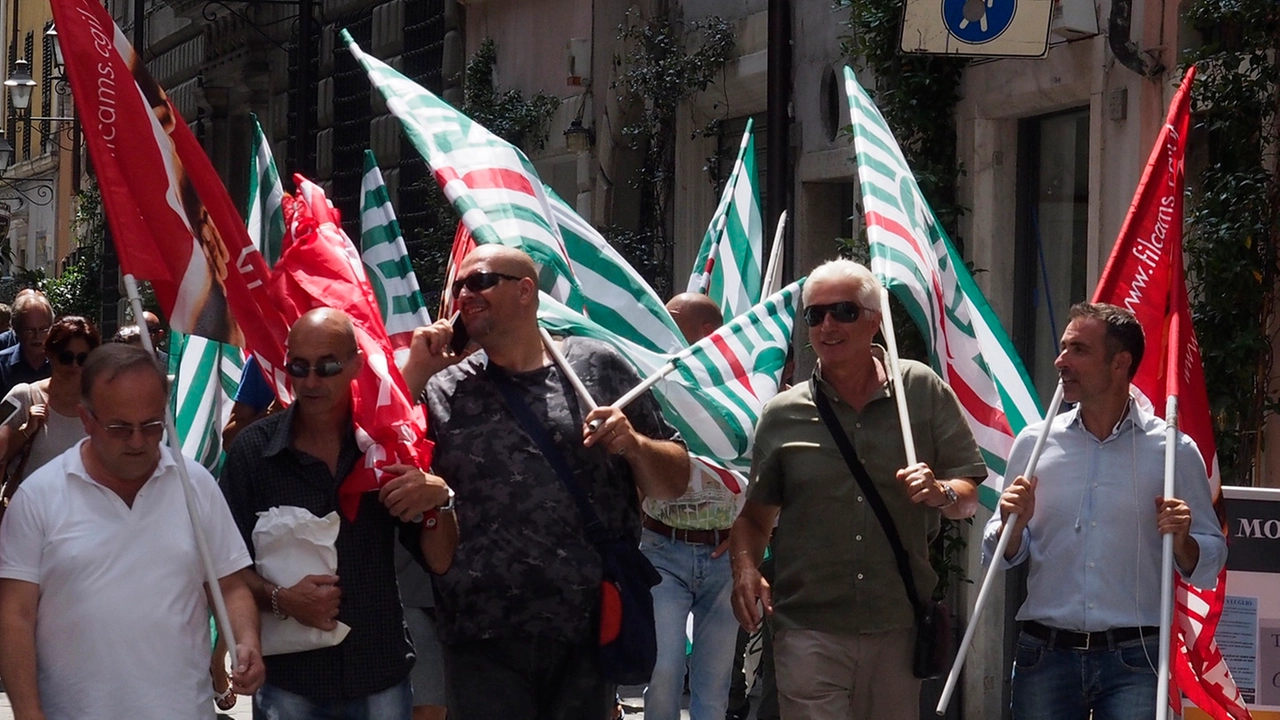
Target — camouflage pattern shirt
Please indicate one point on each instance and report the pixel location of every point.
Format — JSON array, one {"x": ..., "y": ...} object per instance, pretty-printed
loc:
[{"x": 523, "y": 566}]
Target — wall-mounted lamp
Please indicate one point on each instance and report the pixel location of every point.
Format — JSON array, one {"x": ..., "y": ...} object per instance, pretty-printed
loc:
[{"x": 577, "y": 138}]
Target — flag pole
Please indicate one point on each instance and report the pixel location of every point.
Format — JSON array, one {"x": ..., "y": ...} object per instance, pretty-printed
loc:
[
  {"x": 1166, "y": 562},
  {"x": 993, "y": 568},
  {"x": 774, "y": 269},
  {"x": 574, "y": 380},
  {"x": 895, "y": 376},
  {"x": 188, "y": 492}
]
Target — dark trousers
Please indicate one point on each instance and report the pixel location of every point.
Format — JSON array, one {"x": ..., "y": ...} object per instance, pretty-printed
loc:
[{"x": 525, "y": 679}]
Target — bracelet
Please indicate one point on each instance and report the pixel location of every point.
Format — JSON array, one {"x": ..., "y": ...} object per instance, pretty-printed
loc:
[{"x": 275, "y": 604}]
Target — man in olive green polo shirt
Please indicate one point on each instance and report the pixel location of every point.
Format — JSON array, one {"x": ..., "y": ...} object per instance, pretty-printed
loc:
[{"x": 844, "y": 629}]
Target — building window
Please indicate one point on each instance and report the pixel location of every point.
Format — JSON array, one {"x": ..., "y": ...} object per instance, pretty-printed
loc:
[{"x": 1052, "y": 239}]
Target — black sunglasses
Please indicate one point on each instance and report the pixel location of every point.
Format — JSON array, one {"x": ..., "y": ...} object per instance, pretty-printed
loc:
[
  {"x": 66, "y": 357},
  {"x": 327, "y": 369},
  {"x": 479, "y": 282},
  {"x": 845, "y": 311}
]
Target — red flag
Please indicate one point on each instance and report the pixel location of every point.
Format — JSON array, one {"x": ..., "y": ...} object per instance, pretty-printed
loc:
[
  {"x": 320, "y": 267},
  {"x": 1145, "y": 275},
  {"x": 171, "y": 218}
]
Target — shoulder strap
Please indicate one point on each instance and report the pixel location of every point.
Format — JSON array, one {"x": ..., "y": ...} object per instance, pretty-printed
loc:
[
  {"x": 595, "y": 529},
  {"x": 868, "y": 488}
]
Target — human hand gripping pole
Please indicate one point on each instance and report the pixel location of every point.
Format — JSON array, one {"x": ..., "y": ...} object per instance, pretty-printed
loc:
[
  {"x": 202, "y": 545},
  {"x": 980, "y": 604}
]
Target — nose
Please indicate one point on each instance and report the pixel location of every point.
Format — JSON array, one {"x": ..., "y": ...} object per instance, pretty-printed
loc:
[{"x": 1060, "y": 362}]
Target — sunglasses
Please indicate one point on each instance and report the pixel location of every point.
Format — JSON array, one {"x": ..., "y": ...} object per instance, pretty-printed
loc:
[
  {"x": 124, "y": 431},
  {"x": 327, "y": 369},
  {"x": 66, "y": 357},
  {"x": 479, "y": 282},
  {"x": 845, "y": 311}
]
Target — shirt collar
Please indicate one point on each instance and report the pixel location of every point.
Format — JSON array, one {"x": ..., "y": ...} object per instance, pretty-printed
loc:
[
  {"x": 73, "y": 462},
  {"x": 886, "y": 389},
  {"x": 1135, "y": 415},
  {"x": 279, "y": 439}
]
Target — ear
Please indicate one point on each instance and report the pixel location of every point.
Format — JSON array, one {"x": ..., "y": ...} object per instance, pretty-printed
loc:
[
  {"x": 528, "y": 291},
  {"x": 85, "y": 418},
  {"x": 1122, "y": 361}
]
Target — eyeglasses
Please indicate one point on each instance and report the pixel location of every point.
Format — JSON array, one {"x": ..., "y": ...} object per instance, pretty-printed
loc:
[
  {"x": 479, "y": 281},
  {"x": 327, "y": 369},
  {"x": 124, "y": 431},
  {"x": 66, "y": 357},
  {"x": 845, "y": 311},
  {"x": 36, "y": 331}
]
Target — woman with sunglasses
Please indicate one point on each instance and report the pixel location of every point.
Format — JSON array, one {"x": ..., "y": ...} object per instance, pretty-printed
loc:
[{"x": 47, "y": 417}]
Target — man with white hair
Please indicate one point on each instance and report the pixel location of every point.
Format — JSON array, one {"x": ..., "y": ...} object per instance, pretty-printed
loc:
[{"x": 843, "y": 625}]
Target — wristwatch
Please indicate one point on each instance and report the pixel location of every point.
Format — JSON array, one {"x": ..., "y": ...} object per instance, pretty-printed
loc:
[
  {"x": 449, "y": 505},
  {"x": 432, "y": 519},
  {"x": 952, "y": 497}
]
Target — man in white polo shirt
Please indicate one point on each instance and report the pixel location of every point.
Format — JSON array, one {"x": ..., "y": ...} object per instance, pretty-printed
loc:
[{"x": 103, "y": 611}]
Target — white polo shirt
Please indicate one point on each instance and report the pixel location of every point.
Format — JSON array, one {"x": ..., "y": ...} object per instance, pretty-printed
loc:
[{"x": 122, "y": 628}]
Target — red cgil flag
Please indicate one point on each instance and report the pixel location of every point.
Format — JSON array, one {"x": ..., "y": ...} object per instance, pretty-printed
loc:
[
  {"x": 320, "y": 267},
  {"x": 172, "y": 220},
  {"x": 1145, "y": 275}
]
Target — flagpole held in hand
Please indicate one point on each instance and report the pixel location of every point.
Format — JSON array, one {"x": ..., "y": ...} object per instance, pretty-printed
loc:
[
  {"x": 563, "y": 364},
  {"x": 175, "y": 444},
  {"x": 895, "y": 376},
  {"x": 1166, "y": 562},
  {"x": 980, "y": 604},
  {"x": 773, "y": 272}
]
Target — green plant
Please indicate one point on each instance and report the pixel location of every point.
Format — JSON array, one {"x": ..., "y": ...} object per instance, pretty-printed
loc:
[
  {"x": 664, "y": 63},
  {"x": 1233, "y": 213},
  {"x": 506, "y": 114},
  {"x": 77, "y": 290}
]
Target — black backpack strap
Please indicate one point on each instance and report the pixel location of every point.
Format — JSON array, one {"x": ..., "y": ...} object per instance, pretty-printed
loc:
[{"x": 828, "y": 416}]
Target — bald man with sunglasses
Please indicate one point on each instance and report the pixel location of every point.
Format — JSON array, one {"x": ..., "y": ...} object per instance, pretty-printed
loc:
[
  {"x": 843, "y": 625},
  {"x": 299, "y": 458}
]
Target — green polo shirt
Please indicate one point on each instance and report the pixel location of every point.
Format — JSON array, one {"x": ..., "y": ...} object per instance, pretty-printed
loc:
[{"x": 835, "y": 570}]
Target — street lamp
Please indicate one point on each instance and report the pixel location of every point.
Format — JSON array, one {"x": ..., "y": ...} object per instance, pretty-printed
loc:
[
  {"x": 59, "y": 64},
  {"x": 20, "y": 85}
]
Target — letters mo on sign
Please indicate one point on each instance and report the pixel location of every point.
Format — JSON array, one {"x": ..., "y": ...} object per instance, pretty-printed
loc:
[{"x": 990, "y": 28}]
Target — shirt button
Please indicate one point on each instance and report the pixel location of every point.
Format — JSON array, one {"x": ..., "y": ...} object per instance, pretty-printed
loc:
[
  {"x": 1095, "y": 484},
  {"x": 1090, "y": 564},
  {"x": 857, "y": 537},
  {"x": 1090, "y": 604},
  {"x": 1093, "y": 524},
  {"x": 857, "y": 425},
  {"x": 859, "y": 576},
  {"x": 859, "y": 498}
]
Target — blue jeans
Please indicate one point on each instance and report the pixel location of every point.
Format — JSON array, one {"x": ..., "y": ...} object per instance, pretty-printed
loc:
[
  {"x": 691, "y": 582},
  {"x": 394, "y": 703},
  {"x": 1115, "y": 683}
]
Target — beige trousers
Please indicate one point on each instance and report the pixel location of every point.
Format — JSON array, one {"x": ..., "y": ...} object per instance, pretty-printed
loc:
[{"x": 846, "y": 677}]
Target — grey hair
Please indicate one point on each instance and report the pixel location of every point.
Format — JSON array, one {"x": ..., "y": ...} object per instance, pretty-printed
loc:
[{"x": 867, "y": 288}]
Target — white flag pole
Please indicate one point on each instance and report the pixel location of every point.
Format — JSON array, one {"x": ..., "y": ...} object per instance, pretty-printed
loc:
[
  {"x": 895, "y": 376},
  {"x": 574, "y": 380},
  {"x": 984, "y": 591},
  {"x": 773, "y": 271},
  {"x": 188, "y": 492},
  {"x": 1166, "y": 563}
]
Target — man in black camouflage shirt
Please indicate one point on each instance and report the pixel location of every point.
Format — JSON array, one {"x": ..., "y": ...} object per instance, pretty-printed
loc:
[{"x": 518, "y": 604}]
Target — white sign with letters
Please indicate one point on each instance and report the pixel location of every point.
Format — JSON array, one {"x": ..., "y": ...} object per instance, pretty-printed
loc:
[{"x": 998, "y": 28}]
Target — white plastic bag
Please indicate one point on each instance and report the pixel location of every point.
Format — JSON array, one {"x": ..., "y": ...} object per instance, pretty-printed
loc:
[{"x": 290, "y": 543}]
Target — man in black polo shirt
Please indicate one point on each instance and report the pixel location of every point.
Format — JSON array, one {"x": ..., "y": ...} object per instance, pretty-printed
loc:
[
  {"x": 299, "y": 458},
  {"x": 26, "y": 361}
]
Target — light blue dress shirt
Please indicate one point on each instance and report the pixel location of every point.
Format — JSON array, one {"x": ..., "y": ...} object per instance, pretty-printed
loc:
[{"x": 1092, "y": 543}]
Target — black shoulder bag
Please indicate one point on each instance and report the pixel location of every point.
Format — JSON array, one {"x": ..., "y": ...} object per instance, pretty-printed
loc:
[
  {"x": 933, "y": 648},
  {"x": 628, "y": 641}
]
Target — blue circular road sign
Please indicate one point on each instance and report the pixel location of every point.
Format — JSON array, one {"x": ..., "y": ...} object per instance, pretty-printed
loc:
[{"x": 978, "y": 21}]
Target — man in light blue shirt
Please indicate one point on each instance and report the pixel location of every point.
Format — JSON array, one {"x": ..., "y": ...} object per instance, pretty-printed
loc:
[{"x": 1090, "y": 525}]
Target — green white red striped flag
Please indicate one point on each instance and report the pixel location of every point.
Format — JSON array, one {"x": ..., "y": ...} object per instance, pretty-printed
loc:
[
  {"x": 728, "y": 267},
  {"x": 386, "y": 261},
  {"x": 912, "y": 256},
  {"x": 206, "y": 373},
  {"x": 490, "y": 182},
  {"x": 720, "y": 384},
  {"x": 264, "y": 216}
]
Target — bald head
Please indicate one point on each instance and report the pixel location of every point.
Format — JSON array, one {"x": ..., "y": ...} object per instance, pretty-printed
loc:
[
  {"x": 695, "y": 314},
  {"x": 503, "y": 259},
  {"x": 327, "y": 323}
]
